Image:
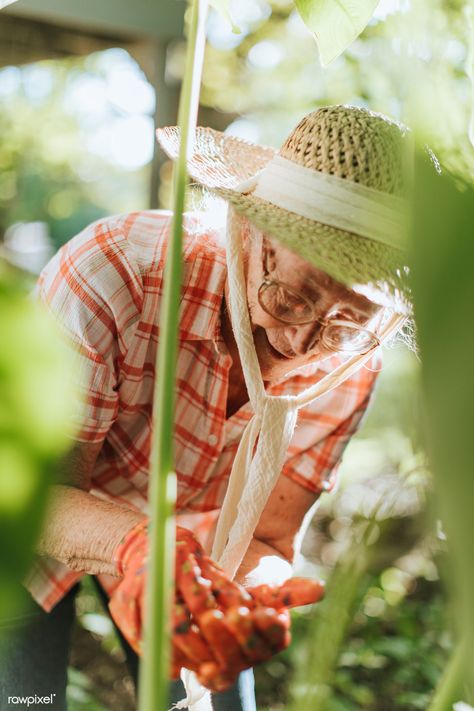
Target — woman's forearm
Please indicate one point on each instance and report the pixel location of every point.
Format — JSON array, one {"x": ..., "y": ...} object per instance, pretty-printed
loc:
[{"x": 83, "y": 531}]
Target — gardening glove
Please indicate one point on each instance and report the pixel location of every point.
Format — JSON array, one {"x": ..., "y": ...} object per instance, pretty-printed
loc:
[
  {"x": 219, "y": 628},
  {"x": 242, "y": 627},
  {"x": 126, "y": 603}
]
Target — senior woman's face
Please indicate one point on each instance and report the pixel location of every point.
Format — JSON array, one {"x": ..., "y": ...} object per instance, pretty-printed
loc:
[{"x": 282, "y": 347}]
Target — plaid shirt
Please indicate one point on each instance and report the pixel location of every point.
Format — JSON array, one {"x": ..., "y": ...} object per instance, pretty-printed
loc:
[{"x": 105, "y": 288}]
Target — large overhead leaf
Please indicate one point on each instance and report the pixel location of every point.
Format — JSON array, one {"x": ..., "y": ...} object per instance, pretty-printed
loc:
[{"x": 335, "y": 23}]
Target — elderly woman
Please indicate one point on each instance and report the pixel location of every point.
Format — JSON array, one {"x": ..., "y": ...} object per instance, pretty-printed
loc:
[{"x": 275, "y": 332}]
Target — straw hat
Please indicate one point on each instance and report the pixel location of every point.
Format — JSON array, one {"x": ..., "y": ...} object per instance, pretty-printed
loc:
[{"x": 347, "y": 142}]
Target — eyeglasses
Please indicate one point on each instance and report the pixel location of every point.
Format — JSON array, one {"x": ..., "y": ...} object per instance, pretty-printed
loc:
[{"x": 285, "y": 304}]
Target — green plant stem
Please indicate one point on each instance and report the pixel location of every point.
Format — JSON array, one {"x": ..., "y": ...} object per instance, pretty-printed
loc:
[
  {"x": 154, "y": 671},
  {"x": 449, "y": 689},
  {"x": 311, "y": 687}
]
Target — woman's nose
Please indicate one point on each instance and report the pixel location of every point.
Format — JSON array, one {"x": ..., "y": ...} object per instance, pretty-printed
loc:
[{"x": 304, "y": 337}]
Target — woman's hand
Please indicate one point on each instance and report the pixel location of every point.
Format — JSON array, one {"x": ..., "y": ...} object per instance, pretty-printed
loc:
[{"x": 219, "y": 627}]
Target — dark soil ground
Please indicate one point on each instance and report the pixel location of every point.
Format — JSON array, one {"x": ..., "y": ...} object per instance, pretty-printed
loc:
[{"x": 110, "y": 682}]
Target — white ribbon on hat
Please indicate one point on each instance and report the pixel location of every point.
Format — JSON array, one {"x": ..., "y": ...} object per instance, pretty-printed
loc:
[{"x": 334, "y": 201}]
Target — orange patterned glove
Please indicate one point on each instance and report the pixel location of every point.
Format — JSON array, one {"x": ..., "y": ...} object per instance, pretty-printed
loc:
[
  {"x": 126, "y": 603},
  {"x": 242, "y": 627},
  {"x": 219, "y": 628}
]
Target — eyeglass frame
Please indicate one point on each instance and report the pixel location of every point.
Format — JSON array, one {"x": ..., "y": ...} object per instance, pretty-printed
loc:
[{"x": 323, "y": 322}]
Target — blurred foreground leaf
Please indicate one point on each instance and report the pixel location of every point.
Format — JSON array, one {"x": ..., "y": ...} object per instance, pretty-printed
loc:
[
  {"x": 443, "y": 268},
  {"x": 335, "y": 23},
  {"x": 35, "y": 401}
]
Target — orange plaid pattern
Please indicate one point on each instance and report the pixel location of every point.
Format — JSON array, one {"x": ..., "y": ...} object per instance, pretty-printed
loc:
[{"x": 105, "y": 287}]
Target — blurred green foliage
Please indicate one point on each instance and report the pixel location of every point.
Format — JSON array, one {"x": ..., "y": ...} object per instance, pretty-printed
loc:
[
  {"x": 414, "y": 64},
  {"x": 35, "y": 401},
  {"x": 443, "y": 254},
  {"x": 47, "y": 173}
]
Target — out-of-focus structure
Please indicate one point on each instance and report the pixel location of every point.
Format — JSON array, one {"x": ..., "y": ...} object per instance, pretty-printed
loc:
[{"x": 32, "y": 30}]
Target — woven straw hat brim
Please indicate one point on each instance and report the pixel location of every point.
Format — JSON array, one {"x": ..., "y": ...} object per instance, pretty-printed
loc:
[{"x": 220, "y": 163}]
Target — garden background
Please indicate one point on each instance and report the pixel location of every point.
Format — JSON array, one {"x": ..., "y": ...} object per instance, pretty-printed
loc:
[{"x": 77, "y": 143}]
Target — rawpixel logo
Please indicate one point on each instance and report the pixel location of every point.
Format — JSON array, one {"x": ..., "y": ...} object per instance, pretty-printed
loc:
[{"x": 30, "y": 700}]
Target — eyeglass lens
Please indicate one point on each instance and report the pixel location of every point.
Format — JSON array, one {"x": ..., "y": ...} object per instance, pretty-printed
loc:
[{"x": 290, "y": 307}]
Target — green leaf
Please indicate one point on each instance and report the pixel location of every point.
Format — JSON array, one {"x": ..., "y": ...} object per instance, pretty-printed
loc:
[
  {"x": 335, "y": 23},
  {"x": 223, "y": 7},
  {"x": 443, "y": 265},
  {"x": 18, "y": 479},
  {"x": 35, "y": 402},
  {"x": 35, "y": 384}
]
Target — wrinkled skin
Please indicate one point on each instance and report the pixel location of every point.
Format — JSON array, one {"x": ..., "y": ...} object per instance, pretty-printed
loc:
[
  {"x": 280, "y": 347},
  {"x": 219, "y": 628}
]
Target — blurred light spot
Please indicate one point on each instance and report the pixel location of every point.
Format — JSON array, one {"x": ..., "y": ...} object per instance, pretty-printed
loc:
[
  {"x": 389, "y": 7},
  {"x": 374, "y": 606},
  {"x": 62, "y": 204},
  {"x": 272, "y": 569},
  {"x": 128, "y": 141},
  {"x": 265, "y": 54},
  {"x": 128, "y": 90},
  {"x": 249, "y": 12},
  {"x": 38, "y": 82},
  {"x": 10, "y": 81},
  {"x": 359, "y": 49},
  {"x": 296, "y": 25},
  {"x": 110, "y": 58},
  {"x": 396, "y": 584},
  {"x": 98, "y": 624},
  {"x": 86, "y": 95},
  {"x": 276, "y": 669},
  {"x": 245, "y": 14},
  {"x": 244, "y": 128},
  {"x": 28, "y": 245},
  {"x": 89, "y": 170},
  {"x": 430, "y": 571},
  {"x": 455, "y": 51},
  {"x": 219, "y": 32}
]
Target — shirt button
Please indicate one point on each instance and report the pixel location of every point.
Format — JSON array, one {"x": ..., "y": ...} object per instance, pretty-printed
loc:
[{"x": 212, "y": 440}]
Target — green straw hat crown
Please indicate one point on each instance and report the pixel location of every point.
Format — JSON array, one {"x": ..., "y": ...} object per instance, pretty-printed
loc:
[{"x": 344, "y": 141}]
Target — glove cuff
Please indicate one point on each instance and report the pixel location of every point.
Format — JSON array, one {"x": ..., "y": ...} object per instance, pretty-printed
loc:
[{"x": 134, "y": 542}]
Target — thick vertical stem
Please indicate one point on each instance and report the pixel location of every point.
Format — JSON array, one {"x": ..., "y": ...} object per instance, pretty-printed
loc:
[
  {"x": 154, "y": 672},
  {"x": 311, "y": 686},
  {"x": 450, "y": 686}
]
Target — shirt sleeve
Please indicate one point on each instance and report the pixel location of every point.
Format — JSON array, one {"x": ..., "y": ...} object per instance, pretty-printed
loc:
[
  {"x": 93, "y": 289},
  {"x": 325, "y": 428}
]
